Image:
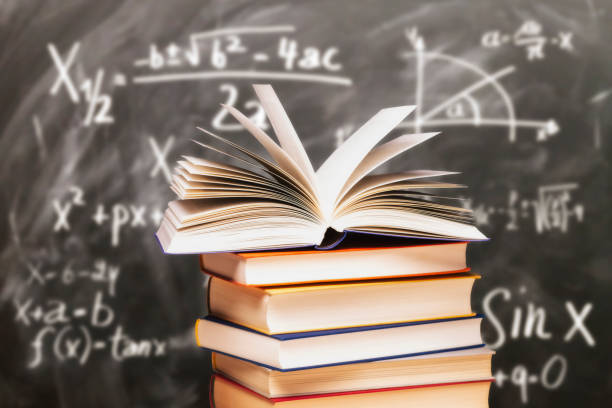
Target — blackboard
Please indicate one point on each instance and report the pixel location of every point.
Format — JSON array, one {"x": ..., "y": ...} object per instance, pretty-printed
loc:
[{"x": 100, "y": 98}]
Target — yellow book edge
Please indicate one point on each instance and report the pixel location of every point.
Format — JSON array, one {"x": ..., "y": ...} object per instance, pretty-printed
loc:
[{"x": 197, "y": 323}]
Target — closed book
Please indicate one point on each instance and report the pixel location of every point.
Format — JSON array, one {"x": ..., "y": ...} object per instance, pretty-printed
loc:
[
  {"x": 454, "y": 366},
  {"x": 470, "y": 394},
  {"x": 300, "y": 266},
  {"x": 339, "y": 346},
  {"x": 287, "y": 309}
]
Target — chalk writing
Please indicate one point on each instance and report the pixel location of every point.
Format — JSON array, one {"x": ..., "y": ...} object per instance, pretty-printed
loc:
[
  {"x": 73, "y": 332},
  {"x": 40, "y": 138},
  {"x": 98, "y": 104},
  {"x": 462, "y": 108},
  {"x": 529, "y": 319},
  {"x": 160, "y": 155},
  {"x": 552, "y": 375},
  {"x": 220, "y": 52},
  {"x": 251, "y": 108},
  {"x": 552, "y": 209},
  {"x": 529, "y": 36},
  {"x": 76, "y": 342},
  {"x": 529, "y": 322},
  {"x": 100, "y": 272},
  {"x": 120, "y": 216},
  {"x": 62, "y": 209}
]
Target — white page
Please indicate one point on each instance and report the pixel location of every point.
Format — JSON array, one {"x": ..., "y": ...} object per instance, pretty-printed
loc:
[
  {"x": 281, "y": 157},
  {"x": 289, "y": 140},
  {"x": 408, "y": 221},
  {"x": 383, "y": 153},
  {"x": 370, "y": 182},
  {"x": 269, "y": 167},
  {"x": 333, "y": 174}
]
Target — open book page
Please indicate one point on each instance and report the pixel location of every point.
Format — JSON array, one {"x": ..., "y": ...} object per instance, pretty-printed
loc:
[
  {"x": 235, "y": 225},
  {"x": 381, "y": 155},
  {"x": 387, "y": 220},
  {"x": 282, "y": 158},
  {"x": 275, "y": 171},
  {"x": 203, "y": 173},
  {"x": 255, "y": 234},
  {"x": 285, "y": 132},
  {"x": 374, "y": 184},
  {"x": 188, "y": 185},
  {"x": 221, "y": 167},
  {"x": 335, "y": 171},
  {"x": 269, "y": 204}
]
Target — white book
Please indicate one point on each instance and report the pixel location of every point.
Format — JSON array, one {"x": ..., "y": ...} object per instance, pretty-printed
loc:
[
  {"x": 340, "y": 346},
  {"x": 283, "y": 202}
]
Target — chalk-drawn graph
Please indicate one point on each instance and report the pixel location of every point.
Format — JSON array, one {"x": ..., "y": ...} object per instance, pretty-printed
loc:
[{"x": 463, "y": 107}]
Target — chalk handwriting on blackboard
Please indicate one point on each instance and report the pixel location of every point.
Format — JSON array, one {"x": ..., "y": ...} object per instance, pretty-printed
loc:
[
  {"x": 75, "y": 342},
  {"x": 462, "y": 108},
  {"x": 160, "y": 154},
  {"x": 552, "y": 209},
  {"x": 551, "y": 376},
  {"x": 71, "y": 332},
  {"x": 99, "y": 104},
  {"x": 529, "y": 321},
  {"x": 62, "y": 209},
  {"x": 101, "y": 272},
  {"x": 252, "y": 108},
  {"x": 120, "y": 216},
  {"x": 116, "y": 216},
  {"x": 40, "y": 138},
  {"x": 530, "y": 36},
  {"x": 299, "y": 63}
]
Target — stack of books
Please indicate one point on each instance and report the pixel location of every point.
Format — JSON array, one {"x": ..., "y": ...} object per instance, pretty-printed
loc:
[
  {"x": 330, "y": 288},
  {"x": 365, "y": 326}
]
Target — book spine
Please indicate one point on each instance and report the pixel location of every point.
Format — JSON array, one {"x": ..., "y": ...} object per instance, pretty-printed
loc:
[
  {"x": 197, "y": 339},
  {"x": 208, "y": 286}
]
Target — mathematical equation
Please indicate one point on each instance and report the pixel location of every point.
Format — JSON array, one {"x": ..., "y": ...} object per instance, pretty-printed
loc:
[
  {"x": 529, "y": 321},
  {"x": 82, "y": 88},
  {"x": 101, "y": 272},
  {"x": 117, "y": 217},
  {"x": 551, "y": 210},
  {"x": 215, "y": 49},
  {"x": 551, "y": 376},
  {"x": 529, "y": 36},
  {"x": 70, "y": 332},
  {"x": 209, "y": 55}
]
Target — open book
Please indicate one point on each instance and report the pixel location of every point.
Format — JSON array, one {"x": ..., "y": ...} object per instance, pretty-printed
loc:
[{"x": 283, "y": 202}]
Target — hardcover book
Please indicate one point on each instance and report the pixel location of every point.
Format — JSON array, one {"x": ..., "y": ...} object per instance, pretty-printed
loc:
[
  {"x": 469, "y": 394},
  {"x": 454, "y": 366},
  {"x": 295, "y": 351},
  {"x": 268, "y": 268},
  {"x": 308, "y": 307}
]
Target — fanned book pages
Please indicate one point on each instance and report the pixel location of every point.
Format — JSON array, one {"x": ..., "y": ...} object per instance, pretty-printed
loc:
[{"x": 283, "y": 202}]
